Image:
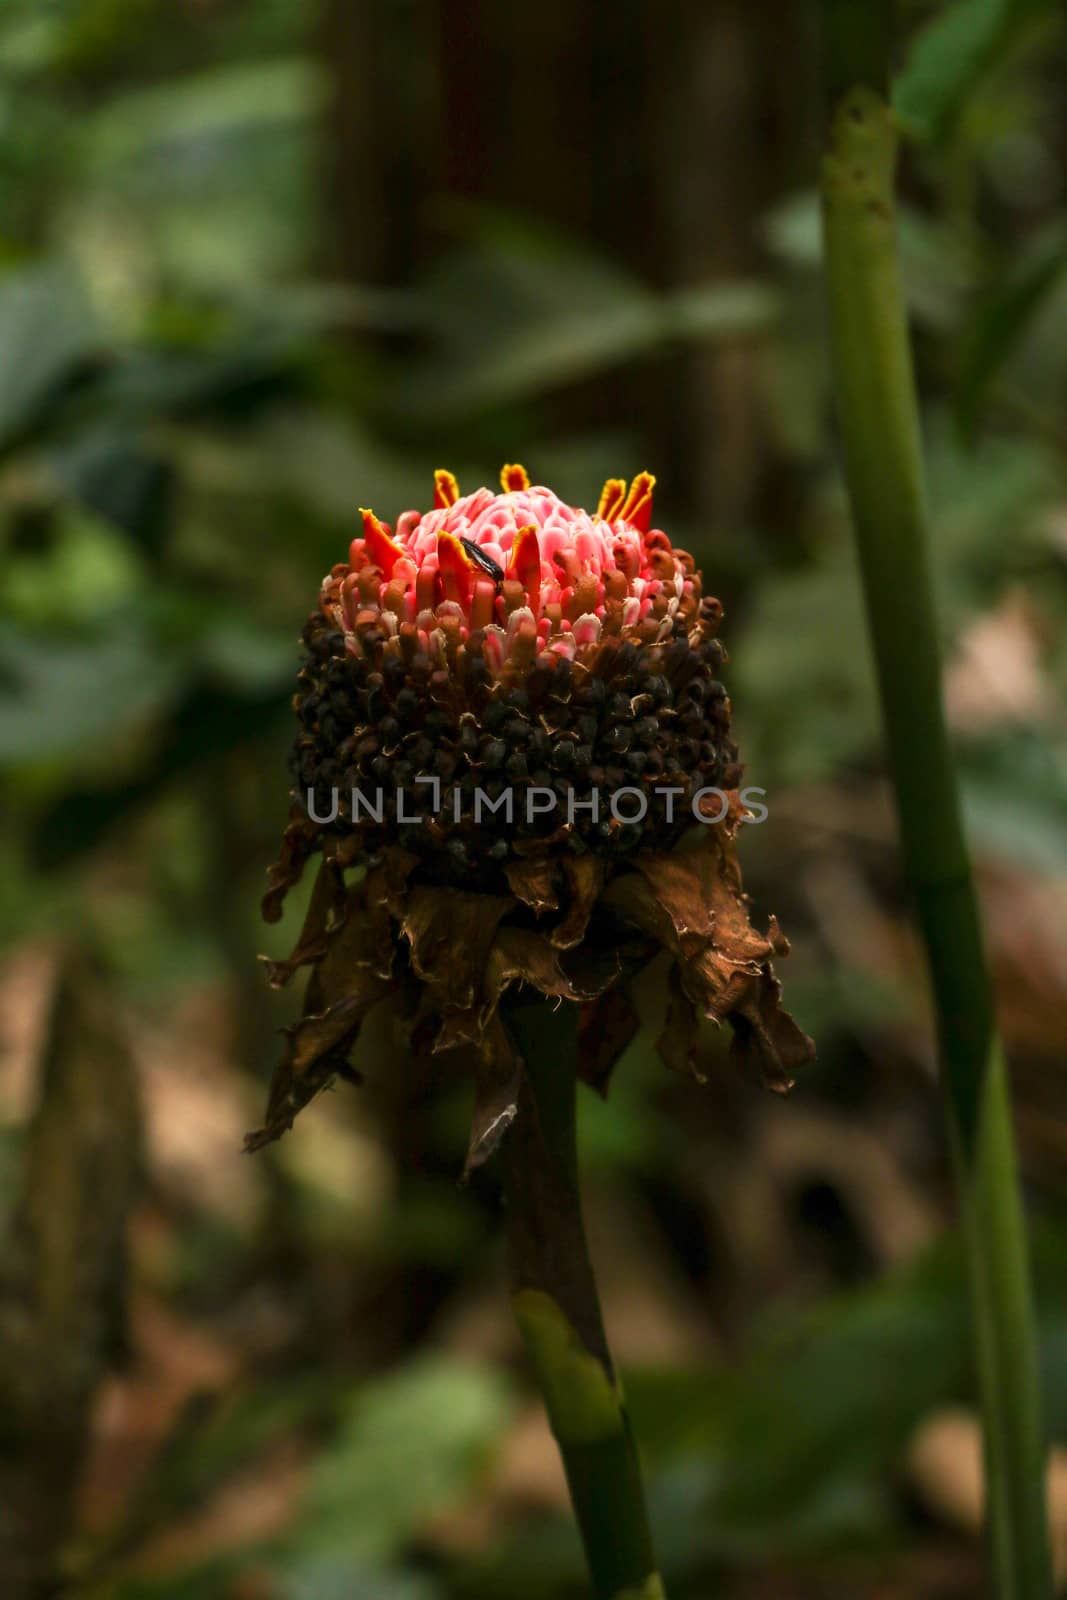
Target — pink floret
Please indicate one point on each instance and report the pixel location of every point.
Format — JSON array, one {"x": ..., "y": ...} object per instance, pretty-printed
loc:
[{"x": 594, "y": 570}]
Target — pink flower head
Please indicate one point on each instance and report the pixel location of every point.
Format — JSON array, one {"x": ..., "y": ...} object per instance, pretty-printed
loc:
[{"x": 521, "y": 568}]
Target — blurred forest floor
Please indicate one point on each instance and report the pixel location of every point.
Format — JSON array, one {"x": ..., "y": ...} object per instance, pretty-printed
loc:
[{"x": 262, "y": 263}]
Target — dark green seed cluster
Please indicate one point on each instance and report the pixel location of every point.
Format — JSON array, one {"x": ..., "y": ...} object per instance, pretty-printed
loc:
[{"x": 627, "y": 716}]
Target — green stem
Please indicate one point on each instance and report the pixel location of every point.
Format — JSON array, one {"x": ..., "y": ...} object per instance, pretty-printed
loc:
[
  {"x": 558, "y": 1310},
  {"x": 878, "y": 415}
]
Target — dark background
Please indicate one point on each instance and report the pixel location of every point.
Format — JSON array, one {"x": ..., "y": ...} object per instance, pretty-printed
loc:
[{"x": 264, "y": 262}]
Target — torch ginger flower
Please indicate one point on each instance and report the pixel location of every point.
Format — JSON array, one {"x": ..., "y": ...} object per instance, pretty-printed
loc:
[{"x": 494, "y": 670}]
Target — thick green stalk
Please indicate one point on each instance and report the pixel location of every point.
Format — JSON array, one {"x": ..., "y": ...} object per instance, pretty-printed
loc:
[
  {"x": 878, "y": 416},
  {"x": 558, "y": 1310}
]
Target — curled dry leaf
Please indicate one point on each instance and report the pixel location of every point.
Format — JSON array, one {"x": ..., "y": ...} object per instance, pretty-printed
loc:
[
  {"x": 766, "y": 1036},
  {"x": 533, "y": 882},
  {"x": 451, "y": 934},
  {"x": 463, "y": 950},
  {"x": 497, "y": 1079},
  {"x": 693, "y": 903},
  {"x": 299, "y": 840},
  {"x": 344, "y": 986},
  {"x": 682, "y": 889},
  {"x": 524, "y": 956},
  {"x": 585, "y": 877},
  {"x": 677, "y": 1044},
  {"x": 325, "y": 912},
  {"x": 609, "y": 1024}
]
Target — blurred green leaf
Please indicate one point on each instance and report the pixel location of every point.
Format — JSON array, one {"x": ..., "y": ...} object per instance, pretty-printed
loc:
[
  {"x": 805, "y": 698},
  {"x": 792, "y": 1451},
  {"x": 834, "y": 1517},
  {"x": 986, "y": 503},
  {"x": 323, "y": 1578},
  {"x": 720, "y": 310},
  {"x": 311, "y": 1578},
  {"x": 86, "y": 571},
  {"x": 217, "y": 103},
  {"x": 28, "y": 38},
  {"x": 249, "y": 659},
  {"x": 806, "y": 691},
  {"x": 47, "y": 334},
  {"x": 207, "y": 722},
  {"x": 412, "y": 1442},
  {"x": 805, "y": 1403},
  {"x": 1015, "y": 797},
  {"x": 114, "y": 473},
  {"x": 334, "y": 466},
  {"x": 209, "y": 171},
  {"x": 1003, "y": 317},
  {"x": 954, "y": 52},
  {"x": 512, "y": 319},
  {"x": 935, "y": 261},
  {"x": 59, "y": 696},
  {"x": 232, "y": 376},
  {"x": 788, "y": 1455}
]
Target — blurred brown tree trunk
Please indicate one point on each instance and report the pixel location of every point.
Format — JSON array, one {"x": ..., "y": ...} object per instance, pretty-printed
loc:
[
  {"x": 62, "y": 1282},
  {"x": 734, "y": 116},
  {"x": 380, "y": 140},
  {"x": 656, "y": 134}
]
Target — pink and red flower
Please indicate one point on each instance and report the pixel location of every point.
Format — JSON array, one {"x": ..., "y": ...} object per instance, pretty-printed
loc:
[
  {"x": 521, "y": 567},
  {"x": 508, "y": 640}
]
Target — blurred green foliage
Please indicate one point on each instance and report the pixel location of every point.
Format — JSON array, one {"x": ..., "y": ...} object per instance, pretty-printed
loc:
[{"x": 201, "y": 379}]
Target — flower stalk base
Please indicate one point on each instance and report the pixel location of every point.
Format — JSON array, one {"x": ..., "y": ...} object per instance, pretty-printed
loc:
[{"x": 558, "y": 1311}]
